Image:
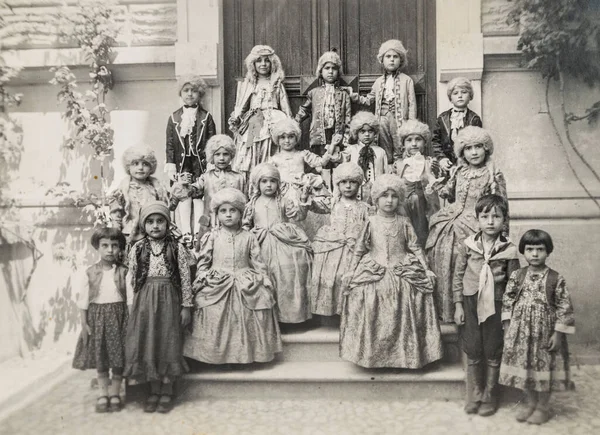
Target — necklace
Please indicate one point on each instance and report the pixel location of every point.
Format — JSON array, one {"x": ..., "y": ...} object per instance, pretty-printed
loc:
[
  {"x": 390, "y": 226},
  {"x": 162, "y": 250}
]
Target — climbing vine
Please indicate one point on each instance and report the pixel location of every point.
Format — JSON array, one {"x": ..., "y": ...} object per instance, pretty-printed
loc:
[{"x": 557, "y": 38}]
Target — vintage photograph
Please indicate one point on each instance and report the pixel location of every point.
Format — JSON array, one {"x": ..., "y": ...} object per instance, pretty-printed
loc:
[{"x": 299, "y": 217}]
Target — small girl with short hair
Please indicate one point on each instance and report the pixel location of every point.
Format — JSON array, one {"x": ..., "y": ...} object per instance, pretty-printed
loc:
[
  {"x": 159, "y": 291},
  {"x": 476, "y": 175},
  {"x": 416, "y": 170},
  {"x": 388, "y": 316},
  {"x": 102, "y": 302},
  {"x": 135, "y": 190},
  {"x": 271, "y": 215},
  {"x": 333, "y": 244},
  {"x": 537, "y": 313},
  {"x": 234, "y": 318}
]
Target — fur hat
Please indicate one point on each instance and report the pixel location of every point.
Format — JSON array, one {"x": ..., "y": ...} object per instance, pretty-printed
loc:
[
  {"x": 228, "y": 195},
  {"x": 396, "y": 45},
  {"x": 413, "y": 126},
  {"x": 348, "y": 171},
  {"x": 386, "y": 182},
  {"x": 287, "y": 125},
  {"x": 143, "y": 153},
  {"x": 363, "y": 118},
  {"x": 215, "y": 143},
  {"x": 472, "y": 135},
  {"x": 197, "y": 83},
  {"x": 154, "y": 207},
  {"x": 459, "y": 82},
  {"x": 277, "y": 73},
  {"x": 331, "y": 57},
  {"x": 263, "y": 170}
]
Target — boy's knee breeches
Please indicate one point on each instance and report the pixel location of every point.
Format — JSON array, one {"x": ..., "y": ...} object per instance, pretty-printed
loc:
[{"x": 482, "y": 342}]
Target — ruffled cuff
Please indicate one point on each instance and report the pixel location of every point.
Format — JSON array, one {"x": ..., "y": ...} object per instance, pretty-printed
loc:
[
  {"x": 170, "y": 167},
  {"x": 506, "y": 316},
  {"x": 565, "y": 329}
]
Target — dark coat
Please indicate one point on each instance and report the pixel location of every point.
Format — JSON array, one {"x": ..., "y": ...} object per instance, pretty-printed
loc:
[
  {"x": 443, "y": 146},
  {"x": 178, "y": 148}
]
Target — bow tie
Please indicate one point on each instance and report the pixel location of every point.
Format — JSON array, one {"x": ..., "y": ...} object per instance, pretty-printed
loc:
[
  {"x": 192, "y": 106},
  {"x": 459, "y": 110}
]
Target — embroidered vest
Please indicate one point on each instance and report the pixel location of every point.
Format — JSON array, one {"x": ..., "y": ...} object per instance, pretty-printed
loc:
[
  {"x": 551, "y": 283},
  {"x": 95, "y": 273}
]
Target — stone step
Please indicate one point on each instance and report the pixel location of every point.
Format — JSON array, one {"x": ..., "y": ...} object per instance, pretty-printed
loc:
[
  {"x": 321, "y": 343},
  {"x": 339, "y": 380}
]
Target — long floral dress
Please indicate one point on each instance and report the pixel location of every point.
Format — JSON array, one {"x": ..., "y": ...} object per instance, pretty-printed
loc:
[
  {"x": 234, "y": 316},
  {"x": 286, "y": 250},
  {"x": 388, "y": 316},
  {"x": 333, "y": 246},
  {"x": 454, "y": 223},
  {"x": 526, "y": 361}
]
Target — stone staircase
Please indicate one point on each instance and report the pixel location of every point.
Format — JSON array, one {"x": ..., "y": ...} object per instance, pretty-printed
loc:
[{"x": 310, "y": 367}]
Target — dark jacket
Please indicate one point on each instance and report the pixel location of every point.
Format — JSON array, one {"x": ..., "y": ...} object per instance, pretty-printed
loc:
[
  {"x": 178, "y": 148},
  {"x": 443, "y": 146}
]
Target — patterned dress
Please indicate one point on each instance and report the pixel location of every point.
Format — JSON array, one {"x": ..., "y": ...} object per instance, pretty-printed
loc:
[
  {"x": 286, "y": 250},
  {"x": 333, "y": 246},
  {"x": 211, "y": 182},
  {"x": 526, "y": 362},
  {"x": 388, "y": 316},
  {"x": 234, "y": 318},
  {"x": 454, "y": 223}
]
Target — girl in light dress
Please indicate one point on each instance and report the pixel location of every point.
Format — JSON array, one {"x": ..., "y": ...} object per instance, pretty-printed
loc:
[
  {"x": 334, "y": 244},
  {"x": 271, "y": 215},
  {"x": 260, "y": 102},
  {"x": 388, "y": 315},
  {"x": 234, "y": 308},
  {"x": 475, "y": 176}
]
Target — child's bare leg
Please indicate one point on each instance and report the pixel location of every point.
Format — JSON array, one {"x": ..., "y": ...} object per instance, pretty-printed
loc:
[
  {"x": 542, "y": 411},
  {"x": 525, "y": 411},
  {"x": 102, "y": 403},
  {"x": 474, "y": 385},
  {"x": 114, "y": 392}
]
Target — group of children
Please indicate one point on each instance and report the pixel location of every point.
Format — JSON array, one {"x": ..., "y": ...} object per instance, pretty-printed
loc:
[{"x": 417, "y": 235}]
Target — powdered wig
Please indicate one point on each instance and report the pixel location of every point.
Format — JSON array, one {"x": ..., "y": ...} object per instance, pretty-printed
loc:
[
  {"x": 386, "y": 182},
  {"x": 412, "y": 126},
  {"x": 263, "y": 170},
  {"x": 277, "y": 73},
  {"x": 363, "y": 118},
  {"x": 329, "y": 57},
  {"x": 197, "y": 83},
  {"x": 217, "y": 142},
  {"x": 395, "y": 45},
  {"x": 287, "y": 125},
  {"x": 348, "y": 171},
  {"x": 110, "y": 234},
  {"x": 472, "y": 135},
  {"x": 461, "y": 83},
  {"x": 143, "y": 153},
  {"x": 228, "y": 195}
]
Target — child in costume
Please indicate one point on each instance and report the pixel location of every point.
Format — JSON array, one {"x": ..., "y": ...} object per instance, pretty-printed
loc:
[
  {"x": 234, "y": 317},
  {"x": 475, "y": 176},
  {"x": 452, "y": 121},
  {"x": 135, "y": 190},
  {"x": 366, "y": 153},
  {"x": 394, "y": 96},
  {"x": 537, "y": 313},
  {"x": 102, "y": 302},
  {"x": 333, "y": 244},
  {"x": 484, "y": 262},
  {"x": 220, "y": 151},
  {"x": 416, "y": 170},
  {"x": 284, "y": 246},
  {"x": 160, "y": 294},
  {"x": 388, "y": 316},
  {"x": 260, "y": 102},
  {"x": 188, "y": 130}
]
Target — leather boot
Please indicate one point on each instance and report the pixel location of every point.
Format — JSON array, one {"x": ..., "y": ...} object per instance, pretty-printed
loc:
[
  {"x": 474, "y": 386},
  {"x": 542, "y": 411},
  {"x": 489, "y": 401},
  {"x": 526, "y": 409}
]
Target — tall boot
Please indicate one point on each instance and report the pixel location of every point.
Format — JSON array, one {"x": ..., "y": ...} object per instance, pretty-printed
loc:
[
  {"x": 526, "y": 409},
  {"x": 542, "y": 411},
  {"x": 474, "y": 386},
  {"x": 489, "y": 401}
]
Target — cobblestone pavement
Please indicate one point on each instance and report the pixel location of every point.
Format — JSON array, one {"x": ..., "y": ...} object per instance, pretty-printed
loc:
[{"x": 68, "y": 409}]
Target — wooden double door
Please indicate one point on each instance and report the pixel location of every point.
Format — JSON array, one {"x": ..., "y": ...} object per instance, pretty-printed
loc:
[{"x": 301, "y": 30}]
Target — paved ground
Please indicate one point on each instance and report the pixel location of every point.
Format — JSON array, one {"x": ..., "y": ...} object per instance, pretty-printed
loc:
[{"x": 68, "y": 409}]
